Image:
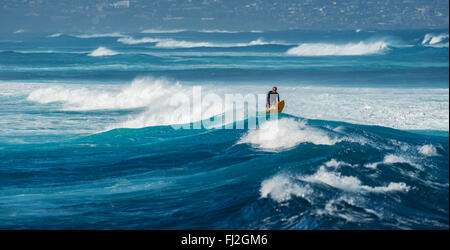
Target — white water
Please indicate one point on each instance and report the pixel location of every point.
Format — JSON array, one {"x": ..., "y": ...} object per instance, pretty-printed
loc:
[
  {"x": 350, "y": 183},
  {"x": 391, "y": 159},
  {"x": 330, "y": 49},
  {"x": 435, "y": 40},
  {"x": 283, "y": 186},
  {"x": 390, "y": 107},
  {"x": 172, "y": 43},
  {"x": 428, "y": 150},
  {"x": 102, "y": 51},
  {"x": 286, "y": 133}
]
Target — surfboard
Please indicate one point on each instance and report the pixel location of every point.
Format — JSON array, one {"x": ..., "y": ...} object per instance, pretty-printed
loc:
[{"x": 276, "y": 108}]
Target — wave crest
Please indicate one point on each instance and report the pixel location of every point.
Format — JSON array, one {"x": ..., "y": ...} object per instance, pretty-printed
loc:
[
  {"x": 428, "y": 150},
  {"x": 329, "y": 49},
  {"x": 103, "y": 51},
  {"x": 392, "y": 159},
  {"x": 282, "y": 187},
  {"x": 350, "y": 183},
  {"x": 162, "y": 99},
  {"x": 140, "y": 93},
  {"x": 286, "y": 133},
  {"x": 433, "y": 40},
  {"x": 171, "y": 43},
  {"x": 55, "y": 35},
  {"x": 99, "y": 35}
]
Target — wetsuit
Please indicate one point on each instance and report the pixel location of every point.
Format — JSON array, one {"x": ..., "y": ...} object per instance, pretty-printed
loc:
[{"x": 272, "y": 98}]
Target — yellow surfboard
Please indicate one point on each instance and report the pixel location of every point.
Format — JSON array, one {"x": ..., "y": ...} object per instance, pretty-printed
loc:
[{"x": 276, "y": 108}]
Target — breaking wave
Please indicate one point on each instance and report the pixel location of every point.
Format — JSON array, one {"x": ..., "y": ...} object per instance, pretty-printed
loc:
[
  {"x": 350, "y": 183},
  {"x": 171, "y": 43},
  {"x": 392, "y": 159},
  {"x": 141, "y": 92},
  {"x": 158, "y": 31},
  {"x": 396, "y": 108},
  {"x": 160, "y": 98},
  {"x": 161, "y": 31},
  {"x": 348, "y": 49},
  {"x": 103, "y": 51},
  {"x": 433, "y": 40},
  {"x": 282, "y": 187},
  {"x": 55, "y": 35},
  {"x": 428, "y": 150},
  {"x": 99, "y": 35},
  {"x": 286, "y": 133}
]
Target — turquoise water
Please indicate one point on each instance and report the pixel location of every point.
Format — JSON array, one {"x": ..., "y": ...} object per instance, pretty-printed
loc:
[{"x": 88, "y": 141}]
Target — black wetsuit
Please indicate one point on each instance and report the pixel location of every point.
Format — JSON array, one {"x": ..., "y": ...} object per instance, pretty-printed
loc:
[{"x": 272, "y": 97}]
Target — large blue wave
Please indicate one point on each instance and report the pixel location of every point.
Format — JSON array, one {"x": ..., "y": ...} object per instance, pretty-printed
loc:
[{"x": 290, "y": 173}]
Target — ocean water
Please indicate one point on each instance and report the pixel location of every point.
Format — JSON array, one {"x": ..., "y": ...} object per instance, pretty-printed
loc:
[{"x": 90, "y": 138}]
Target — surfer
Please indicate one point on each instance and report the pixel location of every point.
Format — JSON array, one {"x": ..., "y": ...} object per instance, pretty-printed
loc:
[{"x": 272, "y": 97}]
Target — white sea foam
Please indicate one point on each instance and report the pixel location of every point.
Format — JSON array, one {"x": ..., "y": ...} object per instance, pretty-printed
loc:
[
  {"x": 286, "y": 133},
  {"x": 55, "y": 35},
  {"x": 392, "y": 159},
  {"x": 229, "y": 31},
  {"x": 282, "y": 187},
  {"x": 20, "y": 31},
  {"x": 219, "y": 31},
  {"x": 397, "y": 108},
  {"x": 330, "y": 49},
  {"x": 336, "y": 164},
  {"x": 435, "y": 40},
  {"x": 103, "y": 51},
  {"x": 140, "y": 93},
  {"x": 350, "y": 183},
  {"x": 428, "y": 150},
  {"x": 161, "y": 99},
  {"x": 98, "y": 35},
  {"x": 334, "y": 208},
  {"x": 171, "y": 43},
  {"x": 131, "y": 40},
  {"x": 159, "y": 31}
]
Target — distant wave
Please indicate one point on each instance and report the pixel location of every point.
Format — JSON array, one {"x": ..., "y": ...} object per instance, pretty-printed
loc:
[
  {"x": 98, "y": 35},
  {"x": 19, "y": 31},
  {"x": 438, "y": 41},
  {"x": 131, "y": 40},
  {"x": 161, "y": 31},
  {"x": 55, "y": 35},
  {"x": 158, "y": 31},
  {"x": 347, "y": 49},
  {"x": 103, "y": 51},
  {"x": 171, "y": 43},
  {"x": 219, "y": 31},
  {"x": 229, "y": 31}
]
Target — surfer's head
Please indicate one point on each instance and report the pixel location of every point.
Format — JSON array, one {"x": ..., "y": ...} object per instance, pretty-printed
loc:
[{"x": 274, "y": 89}]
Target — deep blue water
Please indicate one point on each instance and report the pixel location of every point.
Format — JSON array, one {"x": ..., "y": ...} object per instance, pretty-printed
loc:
[{"x": 87, "y": 138}]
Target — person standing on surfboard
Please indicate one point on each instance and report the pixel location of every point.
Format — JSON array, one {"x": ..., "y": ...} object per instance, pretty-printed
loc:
[{"x": 272, "y": 97}]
